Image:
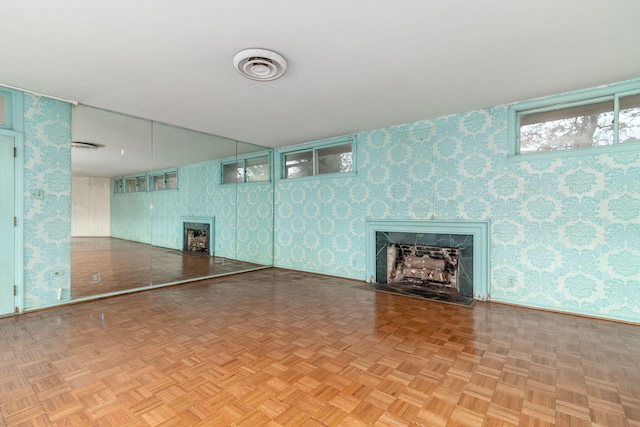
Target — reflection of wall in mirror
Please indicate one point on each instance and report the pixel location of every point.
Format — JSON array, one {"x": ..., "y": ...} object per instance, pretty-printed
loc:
[{"x": 90, "y": 213}]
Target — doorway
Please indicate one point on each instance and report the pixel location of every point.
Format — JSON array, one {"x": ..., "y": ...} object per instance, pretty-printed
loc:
[{"x": 8, "y": 222}]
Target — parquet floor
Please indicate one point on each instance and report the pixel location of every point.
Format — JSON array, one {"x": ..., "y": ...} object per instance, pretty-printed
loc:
[
  {"x": 123, "y": 265},
  {"x": 281, "y": 348}
]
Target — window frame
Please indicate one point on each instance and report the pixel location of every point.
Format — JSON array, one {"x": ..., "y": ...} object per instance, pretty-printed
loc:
[
  {"x": 137, "y": 178},
  {"x": 569, "y": 100},
  {"x": 8, "y": 107},
  {"x": 244, "y": 159},
  {"x": 117, "y": 183},
  {"x": 314, "y": 147},
  {"x": 162, "y": 173}
]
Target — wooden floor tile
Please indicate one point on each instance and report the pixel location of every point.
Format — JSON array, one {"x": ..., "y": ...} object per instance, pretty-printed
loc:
[{"x": 283, "y": 348}]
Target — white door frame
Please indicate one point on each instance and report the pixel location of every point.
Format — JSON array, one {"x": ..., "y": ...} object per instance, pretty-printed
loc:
[{"x": 18, "y": 179}]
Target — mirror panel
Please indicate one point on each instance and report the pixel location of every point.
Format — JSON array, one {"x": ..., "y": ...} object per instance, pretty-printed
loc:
[
  {"x": 165, "y": 188},
  {"x": 111, "y": 223},
  {"x": 255, "y": 205}
]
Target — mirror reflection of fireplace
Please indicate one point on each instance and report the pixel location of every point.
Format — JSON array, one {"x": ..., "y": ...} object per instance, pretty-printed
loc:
[{"x": 196, "y": 238}]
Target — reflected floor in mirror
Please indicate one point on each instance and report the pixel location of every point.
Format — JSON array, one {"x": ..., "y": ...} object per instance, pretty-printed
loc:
[
  {"x": 284, "y": 348},
  {"x": 100, "y": 265}
]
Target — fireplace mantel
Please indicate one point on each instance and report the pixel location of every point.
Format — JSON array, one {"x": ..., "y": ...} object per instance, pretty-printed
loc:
[{"x": 478, "y": 229}]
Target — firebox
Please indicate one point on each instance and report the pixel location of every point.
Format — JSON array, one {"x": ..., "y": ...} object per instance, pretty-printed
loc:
[
  {"x": 439, "y": 262},
  {"x": 423, "y": 265},
  {"x": 196, "y": 237}
]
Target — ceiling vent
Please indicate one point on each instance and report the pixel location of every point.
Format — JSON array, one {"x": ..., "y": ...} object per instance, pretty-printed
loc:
[
  {"x": 260, "y": 64},
  {"x": 85, "y": 145}
]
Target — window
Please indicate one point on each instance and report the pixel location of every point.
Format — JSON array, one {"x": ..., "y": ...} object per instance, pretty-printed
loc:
[
  {"x": 602, "y": 121},
  {"x": 6, "y": 109},
  {"x": 329, "y": 158},
  {"x": 136, "y": 184},
  {"x": 232, "y": 172},
  {"x": 2, "y": 110},
  {"x": 298, "y": 164},
  {"x": 251, "y": 169},
  {"x": 167, "y": 180},
  {"x": 117, "y": 186}
]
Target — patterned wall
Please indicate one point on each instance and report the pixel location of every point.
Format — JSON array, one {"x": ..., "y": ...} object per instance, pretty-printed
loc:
[
  {"x": 565, "y": 232},
  {"x": 200, "y": 194},
  {"x": 47, "y": 221}
]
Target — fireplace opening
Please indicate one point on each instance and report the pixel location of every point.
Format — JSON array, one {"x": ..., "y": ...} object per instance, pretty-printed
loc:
[
  {"x": 421, "y": 265},
  {"x": 436, "y": 263},
  {"x": 196, "y": 238}
]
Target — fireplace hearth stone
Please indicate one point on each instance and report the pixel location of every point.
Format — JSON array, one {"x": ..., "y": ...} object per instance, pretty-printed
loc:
[{"x": 421, "y": 292}]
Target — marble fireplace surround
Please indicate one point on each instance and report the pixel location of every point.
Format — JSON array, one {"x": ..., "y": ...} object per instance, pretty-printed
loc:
[{"x": 478, "y": 229}]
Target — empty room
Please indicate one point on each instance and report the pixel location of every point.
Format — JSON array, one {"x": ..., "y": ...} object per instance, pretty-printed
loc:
[{"x": 320, "y": 214}]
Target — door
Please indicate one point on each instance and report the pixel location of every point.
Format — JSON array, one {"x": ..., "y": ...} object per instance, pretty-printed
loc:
[{"x": 7, "y": 225}]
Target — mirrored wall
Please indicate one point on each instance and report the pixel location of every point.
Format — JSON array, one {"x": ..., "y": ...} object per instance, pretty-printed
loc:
[{"x": 155, "y": 204}]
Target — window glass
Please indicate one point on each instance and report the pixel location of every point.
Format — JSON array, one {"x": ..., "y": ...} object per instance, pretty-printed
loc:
[
  {"x": 298, "y": 164},
  {"x": 334, "y": 159},
  {"x": 232, "y": 172},
  {"x": 131, "y": 185},
  {"x": 117, "y": 185},
  {"x": 158, "y": 182},
  {"x": 171, "y": 181},
  {"x": 589, "y": 125},
  {"x": 257, "y": 169},
  {"x": 629, "y": 118},
  {"x": 142, "y": 183}
]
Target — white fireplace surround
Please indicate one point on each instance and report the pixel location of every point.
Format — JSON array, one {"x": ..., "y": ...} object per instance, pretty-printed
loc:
[
  {"x": 478, "y": 229},
  {"x": 200, "y": 220}
]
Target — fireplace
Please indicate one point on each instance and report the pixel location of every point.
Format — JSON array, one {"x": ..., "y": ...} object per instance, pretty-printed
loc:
[
  {"x": 420, "y": 265},
  {"x": 198, "y": 236},
  {"x": 449, "y": 257}
]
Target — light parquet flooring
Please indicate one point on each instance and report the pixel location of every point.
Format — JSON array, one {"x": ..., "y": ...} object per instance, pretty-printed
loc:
[
  {"x": 124, "y": 265},
  {"x": 281, "y": 348}
]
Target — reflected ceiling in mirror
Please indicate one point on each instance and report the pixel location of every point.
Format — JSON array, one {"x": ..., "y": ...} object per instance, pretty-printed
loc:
[
  {"x": 124, "y": 143},
  {"x": 129, "y": 145}
]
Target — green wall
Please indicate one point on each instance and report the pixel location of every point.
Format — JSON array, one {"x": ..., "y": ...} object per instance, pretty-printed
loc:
[{"x": 565, "y": 232}]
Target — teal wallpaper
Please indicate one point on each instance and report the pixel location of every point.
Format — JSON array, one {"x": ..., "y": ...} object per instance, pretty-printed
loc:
[
  {"x": 47, "y": 221},
  {"x": 200, "y": 194},
  {"x": 564, "y": 231}
]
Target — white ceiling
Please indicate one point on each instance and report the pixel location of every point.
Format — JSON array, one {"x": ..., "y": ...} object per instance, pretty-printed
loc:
[{"x": 353, "y": 64}]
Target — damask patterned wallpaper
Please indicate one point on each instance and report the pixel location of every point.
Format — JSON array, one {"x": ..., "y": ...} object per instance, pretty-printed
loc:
[
  {"x": 565, "y": 232},
  {"x": 47, "y": 221},
  {"x": 200, "y": 194}
]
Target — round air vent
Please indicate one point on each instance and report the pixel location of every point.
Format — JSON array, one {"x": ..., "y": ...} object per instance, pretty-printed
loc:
[{"x": 260, "y": 64}]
